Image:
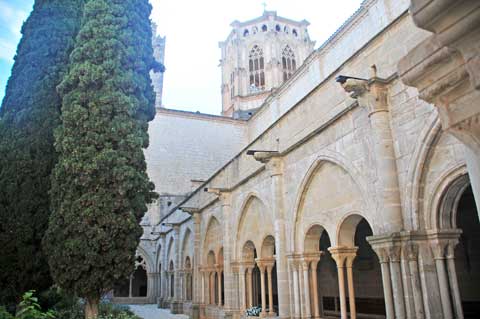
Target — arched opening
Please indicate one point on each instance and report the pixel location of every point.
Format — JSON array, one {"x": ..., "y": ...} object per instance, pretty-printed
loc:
[
  {"x": 172, "y": 279},
  {"x": 137, "y": 284},
  {"x": 264, "y": 28},
  {"x": 467, "y": 254},
  {"x": 367, "y": 274},
  {"x": 188, "y": 279},
  {"x": 246, "y": 33},
  {"x": 329, "y": 302},
  {"x": 268, "y": 266}
]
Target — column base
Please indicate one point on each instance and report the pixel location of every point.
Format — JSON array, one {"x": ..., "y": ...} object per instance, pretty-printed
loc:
[
  {"x": 176, "y": 307},
  {"x": 195, "y": 311}
]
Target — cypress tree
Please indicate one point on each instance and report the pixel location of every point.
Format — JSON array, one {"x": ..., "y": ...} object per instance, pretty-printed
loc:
[
  {"x": 99, "y": 186},
  {"x": 29, "y": 113}
]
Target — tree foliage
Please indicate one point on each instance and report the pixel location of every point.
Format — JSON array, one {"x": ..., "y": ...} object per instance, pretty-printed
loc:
[
  {"x": 30, "y": 111},
  {"x": 99, "y": 186}
]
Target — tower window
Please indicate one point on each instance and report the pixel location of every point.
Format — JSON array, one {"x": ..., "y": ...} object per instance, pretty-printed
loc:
[
  {"x": 277, "y": 28},
  {"x": 288, "y": 62},
  {"x": 294, "y": 32},
  {"x": 246, "y": 33},
  {"x": 256, "y": 68},
  {"x": 264, "y": 28}
]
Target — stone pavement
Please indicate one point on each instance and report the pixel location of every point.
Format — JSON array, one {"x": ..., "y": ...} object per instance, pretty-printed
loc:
[{"x": 152, "y": 312}]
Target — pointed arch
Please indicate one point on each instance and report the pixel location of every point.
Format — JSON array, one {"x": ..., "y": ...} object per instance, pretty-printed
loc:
[
  {"x": 304, "y": 217},
  {"x": 253, "y": 214},
  {"x": 289, "y": 64},
  {"x": 256, "y": 69}
]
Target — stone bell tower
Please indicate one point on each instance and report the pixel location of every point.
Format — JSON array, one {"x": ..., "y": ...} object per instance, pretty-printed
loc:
[{"x": 258, "y": 56}]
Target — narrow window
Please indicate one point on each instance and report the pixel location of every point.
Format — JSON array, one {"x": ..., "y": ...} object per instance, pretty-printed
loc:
[
  {"x": 257, "y": 69},
  {"x": 264, "y": 28},
  {"x": 246, "y": 33},
  {"x": 288, "y": 62}
]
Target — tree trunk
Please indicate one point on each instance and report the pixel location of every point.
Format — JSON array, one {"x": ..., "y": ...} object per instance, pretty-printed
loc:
[{"x": 91, "y": 308}]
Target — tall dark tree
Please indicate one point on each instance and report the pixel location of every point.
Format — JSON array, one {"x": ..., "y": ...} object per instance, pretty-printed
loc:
[
  {"x": 100, "y": 186},
  {"x": 30, "y": 111}
]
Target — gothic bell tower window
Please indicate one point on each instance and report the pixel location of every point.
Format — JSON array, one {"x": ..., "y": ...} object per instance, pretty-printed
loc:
[
  {"x": 288, "y": 63},
  {"x": 256, "y": 67}
]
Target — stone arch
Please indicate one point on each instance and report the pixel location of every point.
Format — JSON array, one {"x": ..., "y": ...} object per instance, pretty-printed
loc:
[
  {"x": 213, "y": 236},
  {"x": 150, "y": 267},
  {"x": 312, "y": 238},
  {"x": 442, "y": 208},
  {"x": 347, "y": 228},
  {"x": 248, "y": 251},
  {"x": 428, "y": 137},
  {"x": 170, "y": 251},
  {"x": 211, "y": 258},
  {"x": 254, "y": 223},
  {"x": 186, "y": 244},
  {"x": 328, "y": 168},
  {"x": 268, "y": 247}
]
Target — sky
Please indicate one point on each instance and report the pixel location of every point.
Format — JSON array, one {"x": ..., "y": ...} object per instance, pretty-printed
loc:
[{"x": 193, "y": 29}]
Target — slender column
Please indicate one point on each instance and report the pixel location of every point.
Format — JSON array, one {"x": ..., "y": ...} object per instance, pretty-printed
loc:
[
  {"x": 452, "y": 276},
  {"x": 243, "y": 292},
  {"x": 306, "y": 287},
  {"x": 249, "y": 286},
  {"x": 387, "y": 283},
  {"x": 439, "y": 251},
  {"x": 396, "y": 274},
  {"x": 296, "y": 290},
  {"x": 316, "y": 310},
  {"x": 411, "y": 252},
  {"x": 262, "y": 287},
  {"x": 351, "y": 288},
  {"x": 270, "y": 290},
  {"x": 339, "y": 257}
]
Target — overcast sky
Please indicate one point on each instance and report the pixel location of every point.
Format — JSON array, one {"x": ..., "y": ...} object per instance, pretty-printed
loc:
[{"x": 193, "y": 29}]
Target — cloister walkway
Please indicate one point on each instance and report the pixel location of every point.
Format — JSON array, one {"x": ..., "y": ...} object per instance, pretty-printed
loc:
[{"x": 152, "y": 312}]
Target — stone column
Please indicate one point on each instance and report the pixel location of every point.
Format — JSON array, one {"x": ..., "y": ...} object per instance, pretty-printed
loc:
[
  {"x": 274, "y": 167},
  {"x": 177, "y": 285},
  {"x": 439, "y": 256},
  {"x": 372, "y": 95},
  {"x": 249, "y": 286},
  {"x": 229, "y": 295},
  {"x": 219, "y": 284},
  {"x": 397, "y": 286},
  {"x": 351, "y": 288},
  {"x": 197, "y": 289},
  {"x": 296, "y": 293},
  {"x": 340, "y": 254},
  {"x": 261, "y": 266},
  {"x": 316, "y": 309},
  {"x": 411, "y": 254},
  {"x": 270, "y": 290},
  {"x": 452, "y": 275},
  {"x": 306, "y": 287},
  {"x": 386, "y": 281},
  {"x": 243, "y": 292},
  {"x": 340, "y": 261}
]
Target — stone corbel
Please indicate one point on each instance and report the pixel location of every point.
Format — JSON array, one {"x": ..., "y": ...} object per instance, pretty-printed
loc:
[{"x": 371, "y": 94}]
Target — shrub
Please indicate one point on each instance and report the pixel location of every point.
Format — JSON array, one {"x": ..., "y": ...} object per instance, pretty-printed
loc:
[
  {"x": 30, "y": 309},
  {"x": 4, "y": 314}
]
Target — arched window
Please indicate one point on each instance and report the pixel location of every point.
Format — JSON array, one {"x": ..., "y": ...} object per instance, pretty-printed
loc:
[
  {"x": 246, "y": 33},
  {"x": 294, "y": 32},
  {"x": 264, "y": 28},
  {"x": 288, "y": 63},
  {"x": 256, "y": 67},
  {"x": 277, "y": 28},
  {"x": 254, "y": 30},
  {"x": 286, "y": 30}
]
